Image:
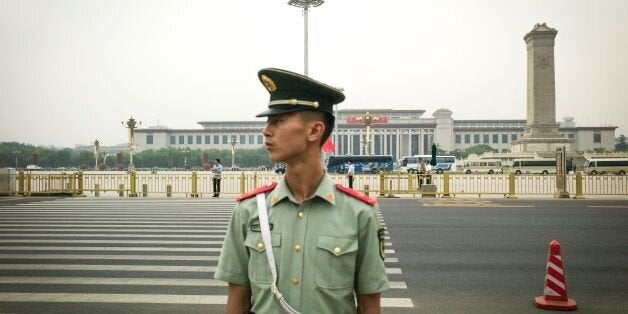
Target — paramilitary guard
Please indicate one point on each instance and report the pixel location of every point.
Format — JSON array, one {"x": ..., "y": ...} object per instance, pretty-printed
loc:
[{"x": 327, "y": 244}]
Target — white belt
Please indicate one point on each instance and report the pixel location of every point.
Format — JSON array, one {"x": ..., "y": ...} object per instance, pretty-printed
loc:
[{"x": 263, "y": 222}]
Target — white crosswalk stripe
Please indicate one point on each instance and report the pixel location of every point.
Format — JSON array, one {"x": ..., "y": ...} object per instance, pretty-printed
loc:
[{"x": 98, "y": 250}]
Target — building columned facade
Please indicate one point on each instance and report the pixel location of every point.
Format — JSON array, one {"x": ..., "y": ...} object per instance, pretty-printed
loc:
[{"x": 395, "y": 132}]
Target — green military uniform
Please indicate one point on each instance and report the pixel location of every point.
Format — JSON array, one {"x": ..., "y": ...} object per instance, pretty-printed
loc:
[{"x": 325, "y": 249}]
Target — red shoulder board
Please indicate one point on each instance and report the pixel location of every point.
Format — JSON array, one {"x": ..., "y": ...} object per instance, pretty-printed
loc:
[
  {"x": 261, "y": 189},
  {"x": 356, "y": 194}
]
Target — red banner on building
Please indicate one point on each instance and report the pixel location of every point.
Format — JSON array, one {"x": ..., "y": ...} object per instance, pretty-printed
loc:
[{"x": 381, "y": 119}]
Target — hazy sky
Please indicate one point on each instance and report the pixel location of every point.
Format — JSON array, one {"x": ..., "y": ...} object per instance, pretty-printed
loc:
[{"x": 71, "y": 71}]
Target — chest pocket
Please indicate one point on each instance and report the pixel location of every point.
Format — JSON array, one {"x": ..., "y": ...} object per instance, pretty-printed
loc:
[
  {"x": 335, "y": 261},
  {"x": 258, "y": 265}
]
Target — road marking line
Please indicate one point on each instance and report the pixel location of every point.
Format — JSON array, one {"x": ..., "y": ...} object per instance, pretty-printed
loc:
[
  {"x": 391, "y": 260},
  {"x": 113, "y": 281},
  {"x": 218, "y": 222},
  {"x": 200, "y": 269},
  {"x": 107, "y": 248},
  {"x": 389, "y": 251},
  {"x": 478, "y": 205},
  {"x": 209, "y": 226},
  {"x": 396, "y": 302},
  {"x": 109, "y": 241},
  {"x": 111, "y": 257},
  {"x": 108, "y": 235},
  {"x": 113, "y": 298},
  {"x": 390, "y": 271},
  {"x": 397, "y": 285},
  {"x": 147, "y": 298},
  {"x": 122, "y": 231},
  {"x": 607, "y": 206}
]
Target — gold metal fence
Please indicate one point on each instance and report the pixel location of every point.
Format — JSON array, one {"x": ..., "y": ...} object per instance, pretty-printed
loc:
[{"x": 198, "y": 184}]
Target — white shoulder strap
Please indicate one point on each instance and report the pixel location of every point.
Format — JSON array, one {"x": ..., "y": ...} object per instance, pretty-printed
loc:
[{"x": 268, "y": 245}]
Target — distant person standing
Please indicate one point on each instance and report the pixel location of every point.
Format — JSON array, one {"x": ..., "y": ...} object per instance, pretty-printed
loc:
[
  {"x": 428, "y": 173},
  {"x": 217, "y": 170},
  {"x": 421, "y": 171},
  {"x": 350, "y": 173}
]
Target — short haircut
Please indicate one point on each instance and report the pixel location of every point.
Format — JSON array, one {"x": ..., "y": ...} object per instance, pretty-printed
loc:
[
  {"x": 326, "y": 118},
  {"x": 218, "y": 160}
]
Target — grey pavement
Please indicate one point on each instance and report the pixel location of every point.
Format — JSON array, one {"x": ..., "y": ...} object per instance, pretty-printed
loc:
[{"x": 157, "y": 255}]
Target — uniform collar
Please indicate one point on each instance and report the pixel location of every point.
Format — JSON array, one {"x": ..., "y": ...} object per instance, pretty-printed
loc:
[{"x": 324, "y": 191}]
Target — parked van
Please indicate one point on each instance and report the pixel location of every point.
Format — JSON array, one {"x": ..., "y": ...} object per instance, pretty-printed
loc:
[
  {"x": 536, "y": 165},
  {"x": 489, "y": 166},
  {"x": 606, "y": 165}
]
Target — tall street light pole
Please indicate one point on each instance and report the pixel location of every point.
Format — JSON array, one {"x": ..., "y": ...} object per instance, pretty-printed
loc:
[
  {"x": 305, "y": 5},
  {"x": 131, "y": 124}
]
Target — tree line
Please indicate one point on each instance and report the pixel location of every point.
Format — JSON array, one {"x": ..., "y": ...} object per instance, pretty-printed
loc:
[{"x": 170, "y": 158}]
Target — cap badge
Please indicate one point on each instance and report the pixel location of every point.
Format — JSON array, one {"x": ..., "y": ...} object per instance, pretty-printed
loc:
[{"x": 268, "y": 83}]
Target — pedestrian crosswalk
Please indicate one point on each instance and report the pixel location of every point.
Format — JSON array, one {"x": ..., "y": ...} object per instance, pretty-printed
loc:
[{"x": 61, "y": 255}]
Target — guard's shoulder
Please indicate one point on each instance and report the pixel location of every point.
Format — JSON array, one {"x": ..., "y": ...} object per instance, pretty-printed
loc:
[
  {"x": 355, "y": 194},
  {"x": 261, "y": 189}
]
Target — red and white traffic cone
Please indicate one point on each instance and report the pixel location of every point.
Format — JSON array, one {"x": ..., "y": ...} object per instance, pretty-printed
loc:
[{"x": 555, "y": 293}]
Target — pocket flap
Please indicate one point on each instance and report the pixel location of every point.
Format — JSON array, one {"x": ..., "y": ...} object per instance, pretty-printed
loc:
[
  {"x": 255, "y": 241},
  {"x": 337, "y": 245}
]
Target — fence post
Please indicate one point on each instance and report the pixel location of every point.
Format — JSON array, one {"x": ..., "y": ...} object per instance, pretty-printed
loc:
[
  {"x": 410, "y": 182},
  {"x": 80, "y": 183},
  {"x": 132, "y": 190},
  {"x": 96, "y": 189},
  {"x": 144, "y": 190},
  {"x": 28, "y": 184},
  {"x": 366, "y": 189},
  {"x": 242, "y": 191},
  {"x": 255, "y": 180},
  {"x": 194, "y": 185},
  {"x": 579, "y": 186},
  {"x": 382, "y": 184},
  {"x": 446, "y": 185},
  {"x": 20, "y": 182},
  {"x": 511, "y": 185},
  {"x": 169, "y": 190}
]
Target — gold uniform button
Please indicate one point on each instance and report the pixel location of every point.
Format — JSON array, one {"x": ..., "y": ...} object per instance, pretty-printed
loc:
[
  {"x": 301, "y": 215},
  {"x": 337, "y": 250},
  {"x": 295, "y": 281},
  {"x": 297, "y": 248},
  {"x": 260, "y": 245}
]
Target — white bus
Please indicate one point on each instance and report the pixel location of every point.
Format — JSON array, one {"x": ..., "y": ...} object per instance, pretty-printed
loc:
[
  {"x": 536, "y": 165},
  {"x": 489, "y": 166},
  {"x": 606, "y": 165},
  {"x": 410, "y": 163}
]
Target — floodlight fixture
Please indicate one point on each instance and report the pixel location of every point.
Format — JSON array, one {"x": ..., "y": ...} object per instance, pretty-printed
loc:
[{"x": 305, "y": 3}]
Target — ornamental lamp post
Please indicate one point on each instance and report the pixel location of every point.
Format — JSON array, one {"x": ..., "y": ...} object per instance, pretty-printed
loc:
[
  {"x": 131, "y": 124},
  {"x": 367, "y": 119},
  {"x": 305, "y": 5},
  {"x": 96, "y": 153},
  {"x": 233, "y": 144}
]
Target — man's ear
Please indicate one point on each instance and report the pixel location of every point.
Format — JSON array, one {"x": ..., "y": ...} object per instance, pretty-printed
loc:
[{"x": 315, "y": 130}]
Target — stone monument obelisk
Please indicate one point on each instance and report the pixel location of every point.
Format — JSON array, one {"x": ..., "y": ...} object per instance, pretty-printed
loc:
[{"x": 541, "y": 132}]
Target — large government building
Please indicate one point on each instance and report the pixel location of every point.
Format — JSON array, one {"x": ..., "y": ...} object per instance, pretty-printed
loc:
[{"x": 395, "y": 132}]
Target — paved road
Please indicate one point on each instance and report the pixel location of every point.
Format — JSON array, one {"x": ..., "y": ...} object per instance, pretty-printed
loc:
[
  {"x": 445, "y": 255},
  {"x": 489, "y": 256},
  {"x": 104, "y": 255}
]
